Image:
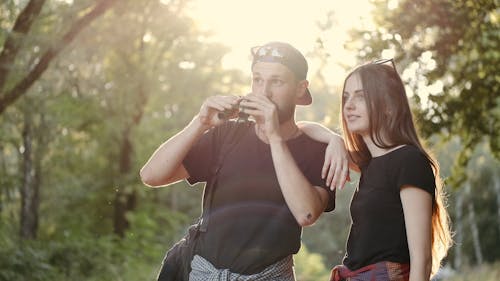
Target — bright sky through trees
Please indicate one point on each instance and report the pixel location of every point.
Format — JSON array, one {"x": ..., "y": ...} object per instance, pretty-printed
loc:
[{"x": 242, "y": 24}]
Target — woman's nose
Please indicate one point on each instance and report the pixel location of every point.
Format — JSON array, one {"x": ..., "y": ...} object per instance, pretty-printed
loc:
[{"x": 348, "y": 104}]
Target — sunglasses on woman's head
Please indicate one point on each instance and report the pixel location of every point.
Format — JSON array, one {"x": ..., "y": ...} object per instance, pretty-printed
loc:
[{"x": 386, "y": 61}]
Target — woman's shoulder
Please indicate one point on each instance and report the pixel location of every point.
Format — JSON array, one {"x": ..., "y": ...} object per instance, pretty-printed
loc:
[
  {"x": 408, "y": 151},
  {"x": 403, "y": 154},
  {"x": 409, "y": 156},
  {"x": 411, "y": 166}
]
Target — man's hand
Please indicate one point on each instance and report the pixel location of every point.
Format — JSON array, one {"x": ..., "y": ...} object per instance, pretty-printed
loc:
[
  {"x": 265, "y": 113},
  {"x": 336, "y": 165},
  {"x": 209, "y": 110}
]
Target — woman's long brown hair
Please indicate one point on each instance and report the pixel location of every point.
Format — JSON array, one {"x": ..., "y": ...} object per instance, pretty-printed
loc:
[{"x": 390, "y": 125}]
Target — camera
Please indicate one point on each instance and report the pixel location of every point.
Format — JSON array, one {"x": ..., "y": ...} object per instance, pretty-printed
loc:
[{"x": 235, "y": 111}]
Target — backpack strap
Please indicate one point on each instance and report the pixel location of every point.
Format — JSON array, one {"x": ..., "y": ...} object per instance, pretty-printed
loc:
[{"x": 227, "y": 144}]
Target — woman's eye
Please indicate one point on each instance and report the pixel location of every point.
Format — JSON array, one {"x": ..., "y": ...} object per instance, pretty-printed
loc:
[{"x": 359, "y": 96}]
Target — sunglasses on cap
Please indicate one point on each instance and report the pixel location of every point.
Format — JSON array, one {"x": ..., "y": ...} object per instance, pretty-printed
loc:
[{"x": 267, "y": 51}]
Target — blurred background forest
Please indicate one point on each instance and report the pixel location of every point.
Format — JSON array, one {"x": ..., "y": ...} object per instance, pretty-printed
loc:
[{"x": 89, "y": 88}]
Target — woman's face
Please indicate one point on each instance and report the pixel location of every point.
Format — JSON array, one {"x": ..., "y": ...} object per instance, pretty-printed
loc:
[{"x": 355, "y": 110}]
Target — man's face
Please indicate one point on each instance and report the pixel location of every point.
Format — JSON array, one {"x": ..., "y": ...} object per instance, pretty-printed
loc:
[{"x": 279, "y": 84}]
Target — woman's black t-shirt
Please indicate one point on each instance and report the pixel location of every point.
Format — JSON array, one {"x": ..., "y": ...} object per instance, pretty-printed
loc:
[{"x": 378, "y": 230}]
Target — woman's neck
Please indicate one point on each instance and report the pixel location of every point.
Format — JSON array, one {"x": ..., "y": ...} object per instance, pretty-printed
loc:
[{"x": 375, "y": 150}]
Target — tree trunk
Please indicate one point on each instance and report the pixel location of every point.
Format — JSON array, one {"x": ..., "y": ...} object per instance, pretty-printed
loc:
[
  {"x": 497, "y": 192},
  {"x": 30, "y": 185},
  {"x": 3, "y": 172},
  {"x": 125, "y": 200},
  {"x": 474, "y": 228},
  {"x": 459, "y": 204},
  {"x": 14, "y": 39}
]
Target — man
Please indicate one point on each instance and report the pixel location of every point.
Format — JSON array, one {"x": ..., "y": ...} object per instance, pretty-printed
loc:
[{"x": 270, "y": 183}]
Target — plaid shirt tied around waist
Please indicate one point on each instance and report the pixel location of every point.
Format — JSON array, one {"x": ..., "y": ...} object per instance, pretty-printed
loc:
[
  {"x": 381, "y": 271},
  {"x": 203, "y": 270}
]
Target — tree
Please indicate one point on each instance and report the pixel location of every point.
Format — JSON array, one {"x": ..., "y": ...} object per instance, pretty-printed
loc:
[
  {"x": 14, "y": 42},
  {"x": 13, "y": 85},
  {"x": 448, "y": 53},
  {"x": 100, "y": 109},
  {"x": 474, "y": 206}
]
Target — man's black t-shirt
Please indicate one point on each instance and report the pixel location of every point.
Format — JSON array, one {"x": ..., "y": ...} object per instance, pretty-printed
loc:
[
  {"x": 378, "y": 230},
  {"x": 250, "y": 225}
]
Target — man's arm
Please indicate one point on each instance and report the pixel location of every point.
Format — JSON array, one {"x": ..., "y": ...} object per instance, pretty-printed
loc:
[
  {"x": 335, "y": 152},
  {"x": 307, "y": 202},
  {"x": 165, "y": 165}
]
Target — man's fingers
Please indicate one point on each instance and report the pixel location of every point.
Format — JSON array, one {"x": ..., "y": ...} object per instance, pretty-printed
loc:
[
  {"x": 343, "y": 176},
  {"x": 211, "y": 104},
  {"x": 330, "y": 175},
  {"x": 326, "y": 166},
  {"x": 258, "y": 108},
  {"x": 336, "y": 175},
  {"x": 220, "y": 103},
  {"x": 255, "y": 103}
]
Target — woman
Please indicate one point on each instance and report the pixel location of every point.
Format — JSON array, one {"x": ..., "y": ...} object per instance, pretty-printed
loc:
[{"x": 399, "y": 225}]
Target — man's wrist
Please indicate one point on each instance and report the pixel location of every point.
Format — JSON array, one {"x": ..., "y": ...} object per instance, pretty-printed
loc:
[
  {"x": 199, "y": 125},
  {"x": 276, "y": 140},
  {"x": 336, "y": 139}
]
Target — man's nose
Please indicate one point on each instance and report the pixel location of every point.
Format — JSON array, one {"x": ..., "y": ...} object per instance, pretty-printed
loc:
[{"x": 265, "y": 89}]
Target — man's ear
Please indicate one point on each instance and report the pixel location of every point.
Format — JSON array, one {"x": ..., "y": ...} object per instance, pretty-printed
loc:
[{"x": 301, "y": 89}]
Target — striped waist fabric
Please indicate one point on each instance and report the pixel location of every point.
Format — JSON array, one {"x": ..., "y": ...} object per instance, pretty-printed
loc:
[
  {"x": 203, "y": 270},
  {"x": 381, "y": 271}
]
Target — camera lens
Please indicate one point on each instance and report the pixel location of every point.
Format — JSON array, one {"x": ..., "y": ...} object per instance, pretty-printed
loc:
[{"x": 226, "y": 114}]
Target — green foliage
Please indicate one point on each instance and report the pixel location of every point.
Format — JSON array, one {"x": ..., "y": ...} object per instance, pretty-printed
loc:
[
  {"x": 25, "y": 263},
  {"x": 139, "y": 73},
  {"x": 329, "y": 234},
  {"x": 448, "y": 54},
  {"x": 310, "y": 266},
  {"x": 485, "y": 272},
  {"x": 483, "y": 171},
  {"x": 75, "y": 253},
  {"x": 56, "y": 259}
]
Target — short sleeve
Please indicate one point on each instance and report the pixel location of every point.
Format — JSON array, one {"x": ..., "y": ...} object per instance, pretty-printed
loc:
[
  {"x": 197, "y": 161},
  {"x": 313, "y": 173},
  {"x": 414, "y": 169}
]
